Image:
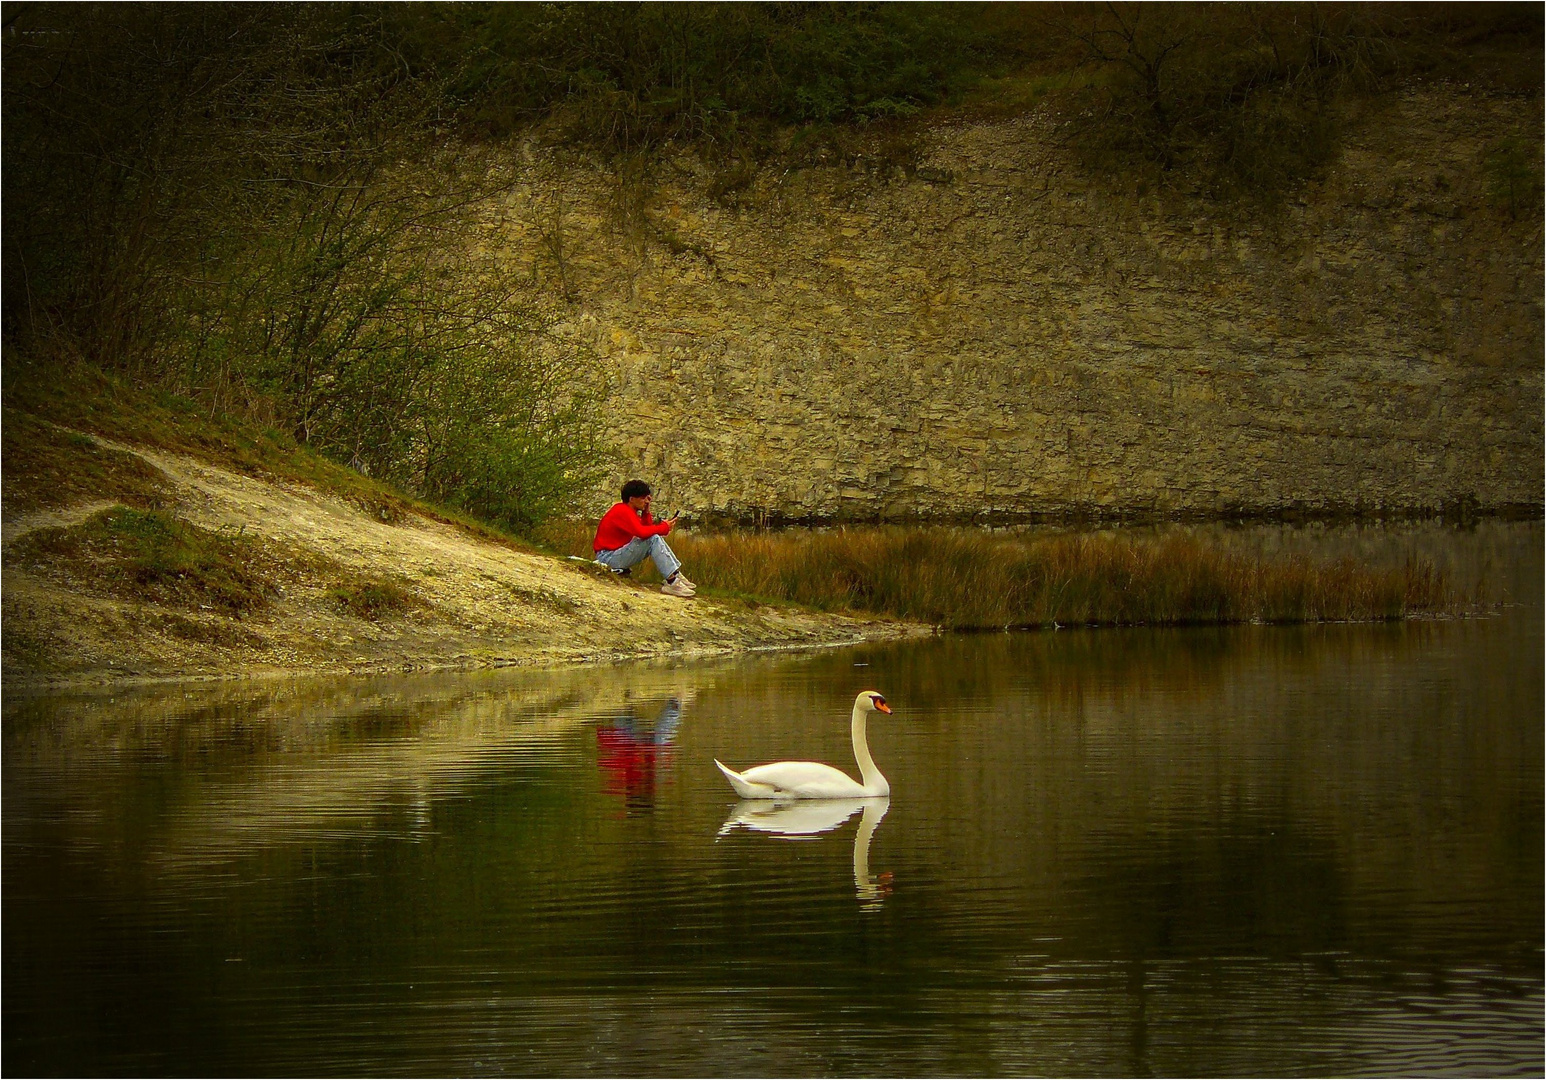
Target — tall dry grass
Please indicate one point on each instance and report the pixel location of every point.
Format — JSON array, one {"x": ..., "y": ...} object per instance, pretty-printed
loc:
[{"x": 964, "y": 578}]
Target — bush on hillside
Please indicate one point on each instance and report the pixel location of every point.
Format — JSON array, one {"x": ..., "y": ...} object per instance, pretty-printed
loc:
[
  {"x": 629, "y": 76},
  {"x": 1246, "y": 99},
  {"x": 258, "y": 207}
]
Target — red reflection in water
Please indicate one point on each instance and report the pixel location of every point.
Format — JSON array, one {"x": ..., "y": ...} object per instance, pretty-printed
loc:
[{"x": 631, "y": 752}]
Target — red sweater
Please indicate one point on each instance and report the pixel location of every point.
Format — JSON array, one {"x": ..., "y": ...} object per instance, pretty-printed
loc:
[{"x": 621, "y": 524}]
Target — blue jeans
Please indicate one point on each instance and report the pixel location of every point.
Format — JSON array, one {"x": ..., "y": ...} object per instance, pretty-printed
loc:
[{"x": 637, "y": 550}]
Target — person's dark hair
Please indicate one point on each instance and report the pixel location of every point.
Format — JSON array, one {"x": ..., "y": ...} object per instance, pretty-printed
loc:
[{"x": 635, "y": 489}]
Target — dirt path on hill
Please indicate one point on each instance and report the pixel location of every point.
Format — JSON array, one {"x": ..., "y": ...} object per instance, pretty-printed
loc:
[{"x": 474, "y": 603}]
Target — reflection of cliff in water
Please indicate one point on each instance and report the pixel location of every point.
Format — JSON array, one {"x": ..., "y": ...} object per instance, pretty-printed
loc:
[{"x": 264, "y": 763}]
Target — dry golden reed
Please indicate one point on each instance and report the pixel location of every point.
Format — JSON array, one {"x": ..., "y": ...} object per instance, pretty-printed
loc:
[{"x": 965, "y": 578}]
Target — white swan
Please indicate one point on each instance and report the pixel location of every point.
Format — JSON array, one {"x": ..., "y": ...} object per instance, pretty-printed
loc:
[{"x": 813, "y": 780}]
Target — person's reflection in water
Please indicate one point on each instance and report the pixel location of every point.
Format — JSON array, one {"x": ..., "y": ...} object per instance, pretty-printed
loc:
[{"x": 630, "y": 750}]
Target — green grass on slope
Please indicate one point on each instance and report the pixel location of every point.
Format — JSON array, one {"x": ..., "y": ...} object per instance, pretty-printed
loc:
[
  {"x": 48, "y": 408},
  {"x": 151, "y": 556}
]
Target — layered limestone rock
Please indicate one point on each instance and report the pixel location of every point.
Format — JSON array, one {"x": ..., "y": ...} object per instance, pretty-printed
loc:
[{"x": 989, "y": 331}]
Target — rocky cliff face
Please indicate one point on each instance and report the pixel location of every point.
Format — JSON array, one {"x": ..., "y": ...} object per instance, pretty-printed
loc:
[{"x": 988, "y": 331}]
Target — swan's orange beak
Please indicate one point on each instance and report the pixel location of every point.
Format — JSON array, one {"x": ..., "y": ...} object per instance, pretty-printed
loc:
[{"x": 881, "y": 706}]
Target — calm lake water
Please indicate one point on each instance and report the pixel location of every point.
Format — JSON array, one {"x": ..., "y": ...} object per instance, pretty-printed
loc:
[{"x": 1243, "y": 851}]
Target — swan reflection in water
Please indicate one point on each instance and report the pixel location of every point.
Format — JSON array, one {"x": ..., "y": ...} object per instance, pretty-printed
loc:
[
  {"x": 805, "y": 819},
  {"x": 630, "y": 750}
]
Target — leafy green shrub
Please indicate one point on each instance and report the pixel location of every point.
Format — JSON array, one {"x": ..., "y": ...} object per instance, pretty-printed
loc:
[
  {"x": 433, "y": 372},
  {"x": 261, "y": 211}
]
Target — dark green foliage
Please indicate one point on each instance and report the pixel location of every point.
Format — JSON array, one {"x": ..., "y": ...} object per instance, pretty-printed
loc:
[
  {"x": 135, "y": 132},
  {"x": 500, "y": 444},
  {"x": 427, "y": 371},
  {"x": 626, "y": 76},
  {"x": 1233, "y": 98},
  {"x": 259, "y": 209},
  {"x": 1513, "y": 168},
  {"x": 1247, "y": 99}
]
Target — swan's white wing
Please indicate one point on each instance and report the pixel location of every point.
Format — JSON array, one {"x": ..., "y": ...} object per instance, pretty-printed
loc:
[
  {"x": 745, "y": 788},
  {"x": 804, "y": 780}
]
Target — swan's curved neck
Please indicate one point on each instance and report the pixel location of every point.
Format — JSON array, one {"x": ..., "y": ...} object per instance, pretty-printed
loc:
[
  {"x": 872, "y": 778},
  {"x": 869, "y": 891}
]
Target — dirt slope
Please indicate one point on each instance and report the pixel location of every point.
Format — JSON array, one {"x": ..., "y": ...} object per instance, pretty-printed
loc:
[{"x": 468, "y": 602}]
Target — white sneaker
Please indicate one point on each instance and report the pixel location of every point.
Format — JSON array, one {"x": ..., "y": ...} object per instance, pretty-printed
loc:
[
  {"x": 676, "y": 588},
  {"x": 681, "y": 579}
]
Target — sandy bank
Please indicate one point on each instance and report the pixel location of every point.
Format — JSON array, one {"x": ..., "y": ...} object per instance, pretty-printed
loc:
[{"x": 474, "y": 603}]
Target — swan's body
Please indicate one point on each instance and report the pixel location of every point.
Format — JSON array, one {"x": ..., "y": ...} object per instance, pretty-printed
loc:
[{"x": 813, "y": 780}]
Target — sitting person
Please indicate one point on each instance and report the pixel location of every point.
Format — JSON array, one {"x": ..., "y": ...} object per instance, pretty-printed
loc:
[{"x": 628, "y": 535}]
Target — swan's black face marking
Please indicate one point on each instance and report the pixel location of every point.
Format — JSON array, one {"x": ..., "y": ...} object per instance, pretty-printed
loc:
[{"x": 879, "y": 703}]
